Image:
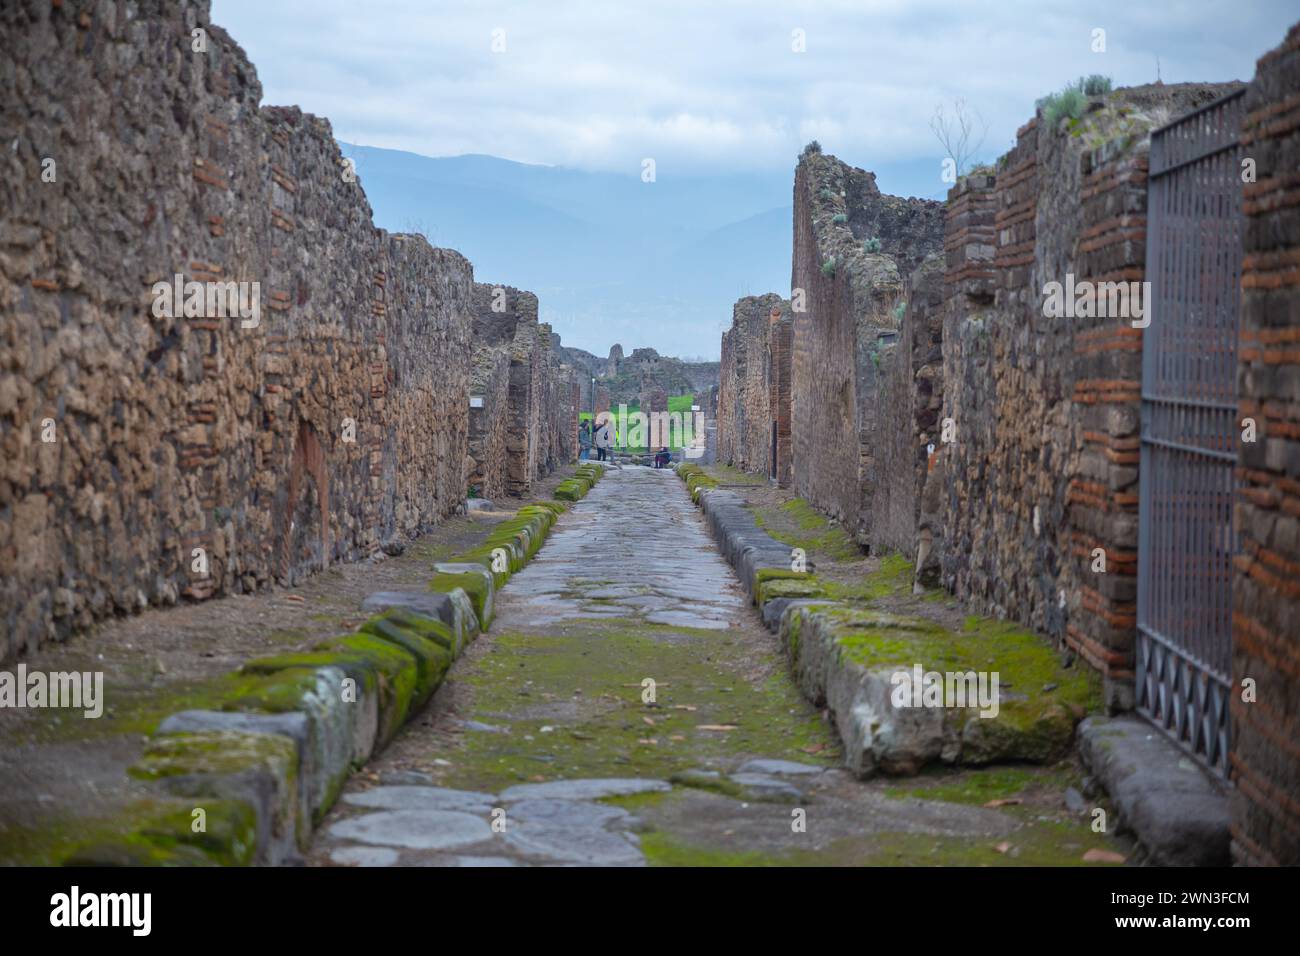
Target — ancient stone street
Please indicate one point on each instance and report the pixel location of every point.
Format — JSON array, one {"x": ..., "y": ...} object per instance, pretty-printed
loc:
[
  {"x": 544, "y": 728},
  {"x": 382, "y": 483}
]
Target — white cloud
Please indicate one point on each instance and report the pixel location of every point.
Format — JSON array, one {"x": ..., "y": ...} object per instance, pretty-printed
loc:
[{"x": 708, "y": 85}]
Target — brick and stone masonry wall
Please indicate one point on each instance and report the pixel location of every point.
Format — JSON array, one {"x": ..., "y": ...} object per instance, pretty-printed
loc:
[
  {"x": 754, "y": 390},
  {"x": 559, "y": 406},
  {"x": 521, "y": 415},
  {"x": 991, "y": 332},
  {"x": 910, "y": 396},
  {"x": 1105, "y": 426},
  {"x": 780, "y": 347},
  {"x": 489, "y": 412},
  {"x": 848, "y": 298},
  {"x": 176, "y": 434},
  {"x": 1266, "y": 583},
  {"x": 1044, "y": 466}
]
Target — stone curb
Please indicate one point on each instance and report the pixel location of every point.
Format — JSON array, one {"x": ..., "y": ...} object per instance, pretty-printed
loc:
[
  {"x": 1169, "y": 803},
  {"x": 266, "y": 765},
  {"x": 878, "y": 736},
  {"x": 747, "y": 547}
]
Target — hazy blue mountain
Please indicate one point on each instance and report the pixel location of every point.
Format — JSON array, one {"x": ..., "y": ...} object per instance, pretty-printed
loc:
[{"x": 611, "y": 258}]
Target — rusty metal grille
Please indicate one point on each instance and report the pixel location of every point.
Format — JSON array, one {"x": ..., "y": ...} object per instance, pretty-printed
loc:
[{"x": 1186, "y": 538}]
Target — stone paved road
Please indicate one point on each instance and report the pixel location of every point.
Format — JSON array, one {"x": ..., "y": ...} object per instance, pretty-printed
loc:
[{"x": 546, "y": 747}]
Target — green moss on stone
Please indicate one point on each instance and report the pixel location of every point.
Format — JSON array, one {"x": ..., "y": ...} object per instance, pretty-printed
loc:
[
  {"x": 432, "y": 659},
  {"x": 812, "y": 531},
  {"x": 476, "y": 587},
  {"x": 397, "y": 676},
  {"x": 216, "y": 753},
  {"x": 802, "y": 586}
]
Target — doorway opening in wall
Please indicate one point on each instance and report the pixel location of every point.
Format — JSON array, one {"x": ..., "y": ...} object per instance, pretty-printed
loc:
[
  {"x": 304, "y": 527},
  {"x": 771, "y": 471},
  {"x": 1187, "y": 481}
]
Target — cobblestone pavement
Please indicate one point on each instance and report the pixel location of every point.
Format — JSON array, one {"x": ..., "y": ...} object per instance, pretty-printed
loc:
[{"x": 627, "y": 708}]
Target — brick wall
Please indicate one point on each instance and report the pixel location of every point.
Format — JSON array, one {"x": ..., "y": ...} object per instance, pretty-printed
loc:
[
  {"x": 994, "y": 399},
  {"x": 1044, "y": 466},
  {"x": 336, "y": 423},
  {"x": 729, "y": 394},
  {"x": 489, "y": 394},
  {"x": 559, "y": 407},
  {"x": 1102, "y": 497},
  {"x": 1266, "y": 583}
]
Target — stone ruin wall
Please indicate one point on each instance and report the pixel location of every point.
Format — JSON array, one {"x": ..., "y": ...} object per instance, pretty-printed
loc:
[
  {"x": 1266, "y": 582},
  {"x": 780, "y": 346},
  {"x": 754, "y": 389},
  {"x": 489, "y": 412},
  {"x": 560, "y": 400},
  {"x": 176, "y": 434},
  {"x": 526, "y": 426},
  {"x": 1044, "y": 465},
  {"x": 849, "y": 295},
  {"x": 728, "y": 399},
  {"x": 911, "y": 384}
]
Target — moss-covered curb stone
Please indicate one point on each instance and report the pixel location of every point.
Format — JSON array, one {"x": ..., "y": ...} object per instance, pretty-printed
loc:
[
  {"x": 575, "y": 488},
  {"x": 474, "y": 581},
  {"x": 163, "y": 833},
  {"x": 845, "y": 658},
  {"x": 258, "y": 770},
  {"x": 272, "y": 756},
  {"x": 456, "y": 612}
]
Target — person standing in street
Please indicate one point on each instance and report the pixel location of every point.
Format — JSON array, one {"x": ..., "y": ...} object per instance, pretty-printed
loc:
[
  {"x": 604, "y": 440},
  {"x": 584, "y": 441}
]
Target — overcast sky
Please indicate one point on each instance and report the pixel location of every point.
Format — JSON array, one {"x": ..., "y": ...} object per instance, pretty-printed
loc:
[{"x": 702, "y": 86}]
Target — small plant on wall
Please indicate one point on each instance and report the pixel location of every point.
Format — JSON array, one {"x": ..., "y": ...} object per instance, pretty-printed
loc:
[{"x": 1071, "y": 99}]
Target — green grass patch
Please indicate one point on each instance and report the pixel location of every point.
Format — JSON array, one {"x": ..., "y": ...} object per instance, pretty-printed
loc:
[
  {"x": 800, "y": 525},
  {"x": 593, "y": 674}
]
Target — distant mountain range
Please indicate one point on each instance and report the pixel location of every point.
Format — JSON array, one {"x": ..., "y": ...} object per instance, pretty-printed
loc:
[{"x": 611, "y": 258}]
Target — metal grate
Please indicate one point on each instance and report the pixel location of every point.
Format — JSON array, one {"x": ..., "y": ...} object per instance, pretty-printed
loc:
[{"x": 1189, "y": 427}]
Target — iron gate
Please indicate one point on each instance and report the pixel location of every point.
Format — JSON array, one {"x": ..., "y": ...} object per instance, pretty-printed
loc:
[{"x": 1189, "y": 429}]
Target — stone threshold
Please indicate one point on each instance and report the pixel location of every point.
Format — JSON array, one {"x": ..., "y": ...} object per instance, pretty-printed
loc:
[{"x": 1175, "y": 808}]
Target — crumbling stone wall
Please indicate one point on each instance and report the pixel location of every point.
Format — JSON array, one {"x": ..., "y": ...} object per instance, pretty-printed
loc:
[
  {"x": 626, "y": 377},
  {"x": 1266, "y": 582},
  {"x": 525, "y": 428},
  {"x": 780, "y": 385},
  {"x": 193, "y": 455},
  {"x": 754, "y": 389},
  {"x": 559, "y": 406},
  {"x": 910, "y": 398},
  {"x": 485, "y": 467},
  {"x": 654, "y": 399},
  {"x": 850, "y": 243}
]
